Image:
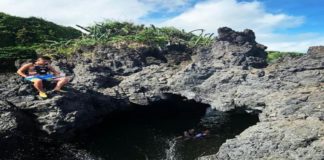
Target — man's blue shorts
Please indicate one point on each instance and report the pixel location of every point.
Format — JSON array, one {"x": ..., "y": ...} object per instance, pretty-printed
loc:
[{"x": 46, "y": 77}]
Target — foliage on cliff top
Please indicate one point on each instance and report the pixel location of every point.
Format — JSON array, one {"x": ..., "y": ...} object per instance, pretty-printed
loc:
[
  {"x": 273, "y": 56},
  {"x": 17, "y": 31},
  {"x": 20, "y": 37},
  {"x": 125, "y": 31},
  {"x": 19, "y": 52},
  {"x": 133, "y": 35}
]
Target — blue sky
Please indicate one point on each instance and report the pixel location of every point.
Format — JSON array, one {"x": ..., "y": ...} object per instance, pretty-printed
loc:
[
  {"x": 285, "y": 25},
  {"x": 312, "y": 10}
]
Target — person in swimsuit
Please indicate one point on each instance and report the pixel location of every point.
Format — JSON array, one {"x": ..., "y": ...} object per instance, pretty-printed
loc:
[
  {"x": 39, "y": 71},
  {"x": 191, "y": 134}
]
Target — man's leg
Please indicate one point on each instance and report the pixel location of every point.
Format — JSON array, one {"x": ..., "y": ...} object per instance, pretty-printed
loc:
[
  {"x": 38, "y": 84},
  {"x": 61, "y": 82}
]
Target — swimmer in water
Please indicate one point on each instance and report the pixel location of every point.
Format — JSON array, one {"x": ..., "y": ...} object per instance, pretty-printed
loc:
[
  {"x": 190, "y": 134},
  {"x": 203, "y": 134}
]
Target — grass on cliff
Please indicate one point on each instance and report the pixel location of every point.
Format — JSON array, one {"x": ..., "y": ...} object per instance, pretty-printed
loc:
[
  {"x": 130, "y": 34},
  {"x": 114, "y": 31},
  {"x": 273, "y": 56}
]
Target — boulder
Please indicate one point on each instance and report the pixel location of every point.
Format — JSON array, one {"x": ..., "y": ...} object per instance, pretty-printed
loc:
[
  {"x": 300, "y": 139},
  {"x": 316, "y": 51}
]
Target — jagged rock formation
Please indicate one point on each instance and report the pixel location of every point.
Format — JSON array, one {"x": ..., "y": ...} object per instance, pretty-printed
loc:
[
  {"x": 231, "y": 74},
  {"x": 291, "y": 124},
  {"x": 282, "y": 139},
  {"x": 58, "y": 114}
]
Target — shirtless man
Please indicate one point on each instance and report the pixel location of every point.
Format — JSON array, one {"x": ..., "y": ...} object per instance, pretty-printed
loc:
[{"x": 39, "y": 71}]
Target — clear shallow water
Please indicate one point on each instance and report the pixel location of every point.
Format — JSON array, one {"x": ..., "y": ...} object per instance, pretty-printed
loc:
[{"x": 149, "y": 133}]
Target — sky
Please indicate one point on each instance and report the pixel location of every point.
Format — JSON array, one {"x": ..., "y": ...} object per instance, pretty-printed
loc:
[{"x": 283, "y": 25}]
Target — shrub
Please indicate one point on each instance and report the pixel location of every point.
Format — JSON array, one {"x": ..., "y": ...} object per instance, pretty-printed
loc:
[
  {"x": 276, "y": 55},
  {"x": 114, "y": 31}
]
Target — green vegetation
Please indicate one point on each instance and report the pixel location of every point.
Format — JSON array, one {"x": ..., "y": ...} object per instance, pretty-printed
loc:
[
  {"x": 114, "y": 32},
  {"x": 276, "y": 55},
  {"x": 8, "y": 56},
  {"x": 16, "y": 31},
  {"x": 13, "y": 53},
  {"x": 48, "y": 38},
  {"x": 21, "y": 37}
]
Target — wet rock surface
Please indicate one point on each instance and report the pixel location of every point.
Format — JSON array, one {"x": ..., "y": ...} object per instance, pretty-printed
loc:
[{"x": 231, "y": 74}]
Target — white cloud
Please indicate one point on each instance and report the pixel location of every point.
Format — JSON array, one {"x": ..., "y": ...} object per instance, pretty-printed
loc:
[
  {"x": 212, "y": 14},
  {"x": 298, "y": 42},
  {"x": 71, "y": 12},
  {"x": 85, "y": 12}
]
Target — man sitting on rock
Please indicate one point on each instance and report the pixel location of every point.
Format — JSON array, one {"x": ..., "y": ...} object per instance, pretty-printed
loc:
[{"x": 38, "y": 72}]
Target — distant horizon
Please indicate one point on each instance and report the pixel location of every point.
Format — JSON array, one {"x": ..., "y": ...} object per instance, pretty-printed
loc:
[{"x": 292, "y": 26}]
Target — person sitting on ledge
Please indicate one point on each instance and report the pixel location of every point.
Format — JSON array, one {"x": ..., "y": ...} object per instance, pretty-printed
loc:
[{"x": 39, "y": 71}]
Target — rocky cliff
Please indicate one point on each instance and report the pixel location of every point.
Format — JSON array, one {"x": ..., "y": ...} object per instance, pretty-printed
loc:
[{"x": 231, "y": 74}]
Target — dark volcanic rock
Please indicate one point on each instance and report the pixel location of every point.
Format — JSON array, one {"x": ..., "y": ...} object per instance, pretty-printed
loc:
[
  {"x": 300, "y": 139},
  {"x": 230, "y": 75},
  {"x": 289, "y": 90},
  {"x": 59, "y": 113},
  {"x": 13, "y": 121},
  {"x": 240, "y": 48},
  {"x": 8, "y": 123},
  {"x": 229, "y": 35},
  {"x": 316, "y": 50},
  {"x": 102, "y": 66}
]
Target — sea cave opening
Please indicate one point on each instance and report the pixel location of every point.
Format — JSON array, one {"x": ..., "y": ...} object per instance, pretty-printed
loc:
[{"x": 158, "y": 131}]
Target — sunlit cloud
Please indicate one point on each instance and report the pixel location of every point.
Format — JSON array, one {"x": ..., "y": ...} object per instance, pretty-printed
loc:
[{"x": 212, "y": 14}]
